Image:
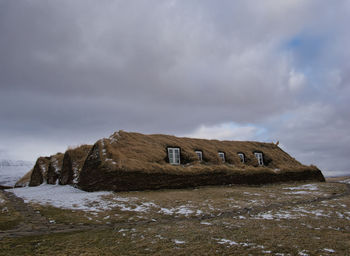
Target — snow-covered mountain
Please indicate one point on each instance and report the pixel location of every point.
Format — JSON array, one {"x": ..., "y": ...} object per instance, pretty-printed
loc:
[{"x": 12, "y": 170}]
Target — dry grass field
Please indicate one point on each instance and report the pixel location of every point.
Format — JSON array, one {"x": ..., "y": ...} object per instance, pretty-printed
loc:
[{"x": 278, "y": 219}]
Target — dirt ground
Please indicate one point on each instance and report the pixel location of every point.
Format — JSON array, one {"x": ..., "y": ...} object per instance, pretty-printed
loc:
[{"x": 278, "y": 219}]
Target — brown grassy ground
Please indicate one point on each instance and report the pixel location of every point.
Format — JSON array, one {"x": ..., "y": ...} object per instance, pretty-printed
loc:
[
  {"x": 9, "y": 217},
  {"x": 338, "y": 179},
  {"x": 278, "y": 219}
]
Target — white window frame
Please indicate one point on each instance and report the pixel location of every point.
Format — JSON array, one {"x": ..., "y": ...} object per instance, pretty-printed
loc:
[
  {"x": 199, "y": 154},
  {"x": 259, "y": 157},
  {"x": 242, "y": 157},
  {"x": 222, "y": 156},
  {"x": 174, "y": 156}
]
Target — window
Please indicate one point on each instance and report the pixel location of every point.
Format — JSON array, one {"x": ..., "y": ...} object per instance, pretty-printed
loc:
[
  {"x": 174, "y": 155},
  {"x": 259, "y": 157},
  {"x": 199, "y": 154},
  {"x": 241, "y": 156},
  {"x": 222, "y": 156}
]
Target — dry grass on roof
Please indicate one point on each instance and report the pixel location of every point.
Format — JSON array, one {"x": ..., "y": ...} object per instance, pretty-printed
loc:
[
  {"x": 57, "y": 157},
  {"x": 136, "y": 151},
  {"x": 24, "y": 180},
  {"x": 79, "y": 153},
  {"x": 53, "y": 158}
]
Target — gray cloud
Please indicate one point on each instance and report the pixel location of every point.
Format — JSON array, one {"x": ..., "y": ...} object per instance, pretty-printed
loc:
[{"x": 72, "y": 72}]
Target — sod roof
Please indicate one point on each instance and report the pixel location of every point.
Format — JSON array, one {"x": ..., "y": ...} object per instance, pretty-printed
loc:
[
  {"x": 24, "y": 181},
  {"x": 72, "y": 163},
  {"x": 139, "y": 152}
]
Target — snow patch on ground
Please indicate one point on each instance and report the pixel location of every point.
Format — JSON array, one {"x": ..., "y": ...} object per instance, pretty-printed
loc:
[
  {"x": 304, "y": 187},
  {"x": 347, "y": 181},
  {"x": 294, "y": 213},
  {"x": 303, "y": 253},
  {"x": 143, "y": 207},
  {"x": 251, "y": 194},
  {"x": 298, "y": 193},
  {"x": 66, "y": 197},
  {"x": 277, "y": 216},
  {"x": 328, "y": 250},
  {"x": 265, "y": 216},
  {"x": 317, "y": 213},
  {"x": 182, "y": 210},
  {"x": 166, "y": 211},
  {"x": 179, "y": 241},
  {"x": 226, "y": 241},
  {"x": 243, "y": 244}
]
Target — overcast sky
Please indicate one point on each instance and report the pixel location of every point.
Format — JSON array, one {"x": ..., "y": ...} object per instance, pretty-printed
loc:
[{"x": 72, "y": 72}]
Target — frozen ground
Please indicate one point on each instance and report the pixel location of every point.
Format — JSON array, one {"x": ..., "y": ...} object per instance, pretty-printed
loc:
[
  {"x": 276, "y": 219},
  {"x": 66, "y": 197},
  {"x": 187, "y": 203}
]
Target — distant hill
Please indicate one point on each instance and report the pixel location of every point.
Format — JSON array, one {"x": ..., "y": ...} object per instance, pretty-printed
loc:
[
  {"x": 5, "y": 163},
  {"x": 13, "y": 170}
]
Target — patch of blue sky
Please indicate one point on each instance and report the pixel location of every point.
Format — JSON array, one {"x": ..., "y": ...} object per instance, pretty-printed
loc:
[
  {"x": 230, "y": 131},
  {"x": 293, "y": 43},
  {"x": 310, "y": 57},
  {"x": 307, "y": 48},
  {"x": 261, "y": 132}
]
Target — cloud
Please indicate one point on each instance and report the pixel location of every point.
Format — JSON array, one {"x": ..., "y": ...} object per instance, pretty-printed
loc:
[
  {"x": 296, "y": 81},
  {"x": 225, "y": 131},
  {"x": 315, "y": 134},
  {"x": 75, "y": 71}
]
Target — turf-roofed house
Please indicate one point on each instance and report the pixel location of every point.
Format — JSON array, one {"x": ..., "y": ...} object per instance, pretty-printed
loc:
[{"x": 133, "y": 161}]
